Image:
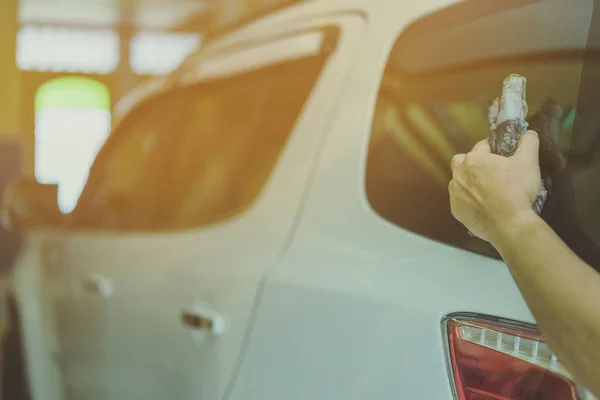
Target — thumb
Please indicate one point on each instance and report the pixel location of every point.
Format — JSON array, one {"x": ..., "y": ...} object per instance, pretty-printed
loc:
[{"x": 529, "y": 147}]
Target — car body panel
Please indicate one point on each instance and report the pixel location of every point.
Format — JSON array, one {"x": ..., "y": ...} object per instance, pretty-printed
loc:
[{"x": 321, "y": 297}]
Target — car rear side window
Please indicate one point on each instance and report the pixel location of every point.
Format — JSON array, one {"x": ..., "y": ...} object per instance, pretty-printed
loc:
[
  {"x": 197, "y": 154},
  {"x": 422, "y": 119}
]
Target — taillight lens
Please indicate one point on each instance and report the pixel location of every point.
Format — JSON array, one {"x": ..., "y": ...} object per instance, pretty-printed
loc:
[{"x": 494, "y": 359}]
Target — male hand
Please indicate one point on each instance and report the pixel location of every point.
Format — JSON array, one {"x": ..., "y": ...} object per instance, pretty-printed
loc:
[{"x": 490, "y": 194}]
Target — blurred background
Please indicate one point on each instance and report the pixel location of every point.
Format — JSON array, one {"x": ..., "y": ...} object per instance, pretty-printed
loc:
[{"x": 64, "y": 65}]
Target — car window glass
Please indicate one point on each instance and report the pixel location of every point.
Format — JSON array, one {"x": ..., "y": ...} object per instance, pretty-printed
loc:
[
  {"x": 421, "y": 121},
  {"x": 122, "y": 185},
  {"x": 243, "y": 147},
  {"x": 198, "y": 154}
]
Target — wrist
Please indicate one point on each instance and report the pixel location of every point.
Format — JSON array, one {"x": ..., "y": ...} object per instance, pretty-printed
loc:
[{"x": 514, "y": 227}]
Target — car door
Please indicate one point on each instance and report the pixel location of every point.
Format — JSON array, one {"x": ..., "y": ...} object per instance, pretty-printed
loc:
[{"x": 188, "y": 205}]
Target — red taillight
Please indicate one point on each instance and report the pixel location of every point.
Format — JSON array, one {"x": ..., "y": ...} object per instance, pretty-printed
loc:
[{"x": 500, "y": 360}]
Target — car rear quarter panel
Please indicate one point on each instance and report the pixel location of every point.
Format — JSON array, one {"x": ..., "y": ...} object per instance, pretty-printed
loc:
[
  {"x": 354, "y": 310},
  {"x": 347, "y": 323}
]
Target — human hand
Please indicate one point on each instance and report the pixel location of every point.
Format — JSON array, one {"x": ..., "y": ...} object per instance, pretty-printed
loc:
[{"x": 490, "y": 194}]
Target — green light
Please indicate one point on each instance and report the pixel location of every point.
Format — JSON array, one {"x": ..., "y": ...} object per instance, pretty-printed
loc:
[{"x": 72, "y": 92}]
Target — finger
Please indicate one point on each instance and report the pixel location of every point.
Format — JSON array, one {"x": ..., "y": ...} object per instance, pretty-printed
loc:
[
  {"x": 483, "y": 146},
  {"x": 451, "y": 186},
  {"x": 456, "y": 161},
  {"x": 454, "y": 188},
  {"x": 529, "y": 147},
  {"x": 452, "y": 192}
]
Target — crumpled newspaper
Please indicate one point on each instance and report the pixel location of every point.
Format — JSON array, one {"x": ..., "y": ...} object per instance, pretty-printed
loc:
[{"x": 508, "y": 121}]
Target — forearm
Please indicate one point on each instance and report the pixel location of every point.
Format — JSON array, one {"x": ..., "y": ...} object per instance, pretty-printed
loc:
[{"x": 562, "y": 292}]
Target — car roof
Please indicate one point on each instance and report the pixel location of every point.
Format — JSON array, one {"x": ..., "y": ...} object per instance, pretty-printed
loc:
[
  {"x": 297, "y": 10},
  {"x": 268, "y": 22}
]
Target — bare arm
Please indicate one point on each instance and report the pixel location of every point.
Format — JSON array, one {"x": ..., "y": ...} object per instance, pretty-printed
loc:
[
  {"x": 492, "y": 196},
  {"x": 562, "y": 292}
]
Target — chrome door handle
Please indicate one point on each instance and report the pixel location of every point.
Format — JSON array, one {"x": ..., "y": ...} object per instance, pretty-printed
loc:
[
  {"x": 98, "y": 285},
  {"x": 198, "y": 319}
]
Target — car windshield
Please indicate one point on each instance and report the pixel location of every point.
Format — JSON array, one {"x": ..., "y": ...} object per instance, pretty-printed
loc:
[{"x": 197, "y": 154}]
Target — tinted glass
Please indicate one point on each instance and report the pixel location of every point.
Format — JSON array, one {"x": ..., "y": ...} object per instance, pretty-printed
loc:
[
  {"x": 422, "y": 120},
  {"x": 196, "y": 155}
]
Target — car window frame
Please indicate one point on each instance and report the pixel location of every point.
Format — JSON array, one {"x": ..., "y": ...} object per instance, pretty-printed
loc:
[
  {"x": 419, "y": 27},
  {"x": 331, "y": 35}
]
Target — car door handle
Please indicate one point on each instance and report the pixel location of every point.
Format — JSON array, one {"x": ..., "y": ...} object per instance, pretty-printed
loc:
[
  {"x": 98, "y": 285},
  {"x": 203, "y": 320}
]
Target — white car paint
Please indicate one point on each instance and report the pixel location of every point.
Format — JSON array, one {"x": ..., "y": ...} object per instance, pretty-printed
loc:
[{"x": 319, "y": 297}]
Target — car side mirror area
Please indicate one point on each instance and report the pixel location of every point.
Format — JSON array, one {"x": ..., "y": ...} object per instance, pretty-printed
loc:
[{"x": 28, "y": 204}]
